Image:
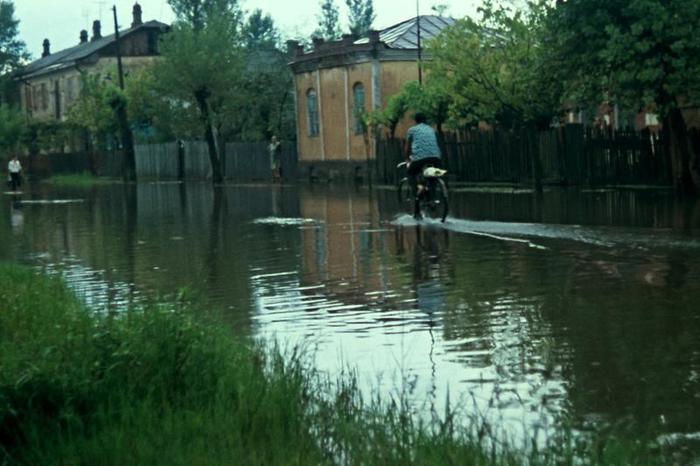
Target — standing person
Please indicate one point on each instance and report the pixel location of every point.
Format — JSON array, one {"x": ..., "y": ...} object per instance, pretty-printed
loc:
[
  {"x": 421, "y": 149},
  {"x": 14, "y": 168},
  {"x": 275, "y": 148}
]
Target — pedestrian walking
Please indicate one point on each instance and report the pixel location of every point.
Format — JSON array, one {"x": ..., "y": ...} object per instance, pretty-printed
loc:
[
  {"x": 14, "y": 168},
  {"x": 275, "y": 149}
]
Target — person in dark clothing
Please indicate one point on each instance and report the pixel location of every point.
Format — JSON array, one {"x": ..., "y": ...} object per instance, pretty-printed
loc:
[{"x": 421, "y": 150}]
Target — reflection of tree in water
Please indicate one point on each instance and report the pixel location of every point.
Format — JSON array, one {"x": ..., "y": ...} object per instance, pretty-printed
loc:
[{"x": 630, "y": 320}]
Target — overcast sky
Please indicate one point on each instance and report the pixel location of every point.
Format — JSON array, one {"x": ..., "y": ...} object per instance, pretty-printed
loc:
[{"x": 61, "y": 20}]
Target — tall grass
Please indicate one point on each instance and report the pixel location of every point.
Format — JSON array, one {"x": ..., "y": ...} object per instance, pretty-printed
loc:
[{"x": 167, "y": 385}]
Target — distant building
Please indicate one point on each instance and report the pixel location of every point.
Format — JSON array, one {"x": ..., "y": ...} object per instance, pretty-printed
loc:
[
  {"x": 339, "y": 80},
  {"x": 49, "y": 85}
]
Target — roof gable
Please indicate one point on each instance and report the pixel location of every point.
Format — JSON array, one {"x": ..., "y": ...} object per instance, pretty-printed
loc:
[{"x": 69, "y": 56}]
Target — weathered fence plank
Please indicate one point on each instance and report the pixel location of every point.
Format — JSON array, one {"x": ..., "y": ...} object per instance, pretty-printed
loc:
[
  {"x": 196, "y": 160},
  {"x": 571, "y": 155},
  {"x": 157, "y": 161}
]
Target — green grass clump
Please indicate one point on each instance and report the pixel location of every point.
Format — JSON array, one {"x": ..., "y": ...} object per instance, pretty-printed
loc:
[
  {"x": 165, "y": 385},
  {"x": 80, "y": 180}
]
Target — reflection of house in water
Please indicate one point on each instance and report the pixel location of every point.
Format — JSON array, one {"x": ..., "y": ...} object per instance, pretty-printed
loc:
[
  {"x": 360, "y": 262},
  {"x": 347, "y": 251}
]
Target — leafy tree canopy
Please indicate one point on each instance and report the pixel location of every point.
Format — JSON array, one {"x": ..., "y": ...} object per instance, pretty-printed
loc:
[
  {"x": 12, "y": 50},
  {"x": 328, "y": 22},
  {"x": 199, "y": 13},
  {"x": 361, "y": 16},
  {"x": 496, "y": 69},
  {"x": 92, "y": 110},
  {"x": 13, "y": 125},
  {"x": 259, "y": 31},
  {"x": 638, "y": 52}
]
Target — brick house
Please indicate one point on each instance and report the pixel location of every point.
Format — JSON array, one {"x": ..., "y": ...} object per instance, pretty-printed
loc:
[
  {"x": 49, "y": 85},
  {"x": 338, "y": 80}
]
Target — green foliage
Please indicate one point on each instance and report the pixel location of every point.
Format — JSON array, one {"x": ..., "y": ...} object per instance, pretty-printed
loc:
[
  {"x": 246, "y": 81},
  {"x": 266, "y": 103},
  {"x": 328, "y": 22},
  {"x": 92, "y": 110},
  {"x": 205, "y": 62},
  {"x": 13, "y": 127},
  {"x": 496, "y": 70},
  {"x": 12, "y": 50},
  {"x": 360, "y": 16},
  {"x": 441, "y": 9},
  {"x": 199, "y": 14},
  {"x": 50, "y": 136},
  {"x": 155, "y": 116},
  {"x": 637, "y": 52},
  {"x": 431, "y": 98},
  {"x": 259, "y": 31}
]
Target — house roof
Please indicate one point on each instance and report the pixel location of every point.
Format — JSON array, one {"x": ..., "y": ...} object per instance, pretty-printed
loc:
[
  {"x": 70, "y": 56},
  {"x": 404, "y": 35}
]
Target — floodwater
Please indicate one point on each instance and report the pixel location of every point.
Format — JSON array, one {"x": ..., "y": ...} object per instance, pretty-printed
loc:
[{"x": 583, "y": 304}]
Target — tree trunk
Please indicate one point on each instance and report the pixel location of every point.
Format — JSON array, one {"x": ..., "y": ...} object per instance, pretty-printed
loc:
[
  {"x": 679, "y": 151},
  {"x": 201, "y": 96},
  {"x": 129, "y": 167}
]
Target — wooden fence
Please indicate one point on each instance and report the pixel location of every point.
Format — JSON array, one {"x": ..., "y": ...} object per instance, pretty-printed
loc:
[{"x": 571, "y": 155}]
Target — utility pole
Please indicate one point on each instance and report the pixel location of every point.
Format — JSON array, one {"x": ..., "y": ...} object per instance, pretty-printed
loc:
[
  {"x": 420, "y": 66},
  {"x": 116, "y": 45},
  {"x": 119, "y": 106}
]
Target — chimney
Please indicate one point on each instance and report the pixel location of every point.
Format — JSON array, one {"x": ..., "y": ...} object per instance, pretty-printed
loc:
[
  {"x": 348, "y": 39},
  {"x": 96, "y": 30},
  {"x": 137, "y": 15},
  {"x": 373, "y": 36},
  {"x": 292, "y": 46},
  {"x": 83, "y": 36},
  {"x": 47, "y": 48},
  {"x": 318, "y": 43}
]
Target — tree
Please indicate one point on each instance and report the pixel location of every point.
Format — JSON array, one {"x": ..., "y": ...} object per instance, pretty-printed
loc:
[
  {"x": 12, "y": 50},
  {"x": 440, "y": 9},
  {"x": 328, "y": 25},
  {"x": 199, "y": 13},
  {"x": 496, "y": 70},
  {"x": 202, "y": 65},
  {"x": 91, "y": 110},
  {"x": 13, "y": 126},
  {"x": 260, "y": 31},
  {"x": 641, "y": 53},
  {"x": 361, "y": 16}
]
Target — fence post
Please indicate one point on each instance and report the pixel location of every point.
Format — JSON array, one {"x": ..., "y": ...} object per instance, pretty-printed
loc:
[{"x": 536, "y": 162}]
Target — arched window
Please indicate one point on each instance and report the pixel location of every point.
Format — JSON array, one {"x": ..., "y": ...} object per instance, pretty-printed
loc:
[
  {"x": 358, "y": 105},
  {"x": 312, "y": 112}
]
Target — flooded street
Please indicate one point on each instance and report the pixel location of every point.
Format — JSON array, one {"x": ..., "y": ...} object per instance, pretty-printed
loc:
[{"x": 523, "y": 307}]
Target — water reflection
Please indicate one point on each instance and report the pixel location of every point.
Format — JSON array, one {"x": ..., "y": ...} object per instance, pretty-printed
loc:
[{"x": 572, "y": 302}]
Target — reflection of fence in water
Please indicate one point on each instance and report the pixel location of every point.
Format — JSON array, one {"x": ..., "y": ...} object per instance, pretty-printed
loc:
[
  {"x": 568, "y": 155},
  {"x": 241, "y": 161}
]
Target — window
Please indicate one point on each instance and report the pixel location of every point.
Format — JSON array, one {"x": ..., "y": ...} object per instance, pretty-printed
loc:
[
  {"x": 29, "y": 101},
  {"x": 44, "y": 97},
  {"x": 312, "y": 112},
  {"x": 152, "y": 42},
  {"x": 358, "y": 105}
]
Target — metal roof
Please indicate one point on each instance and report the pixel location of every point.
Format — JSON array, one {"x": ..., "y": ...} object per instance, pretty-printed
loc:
[
  {"x": 405, "y": 34},
  {"x": 67, "y": 57}
]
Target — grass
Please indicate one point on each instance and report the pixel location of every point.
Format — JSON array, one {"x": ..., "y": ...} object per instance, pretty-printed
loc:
[
  {"x": 84, "y": 179},
  {"x": 165, "y": 384}
]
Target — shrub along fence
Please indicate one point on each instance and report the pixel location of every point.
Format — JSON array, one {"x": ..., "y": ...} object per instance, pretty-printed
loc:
[{"x": 571, "y": 155}]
